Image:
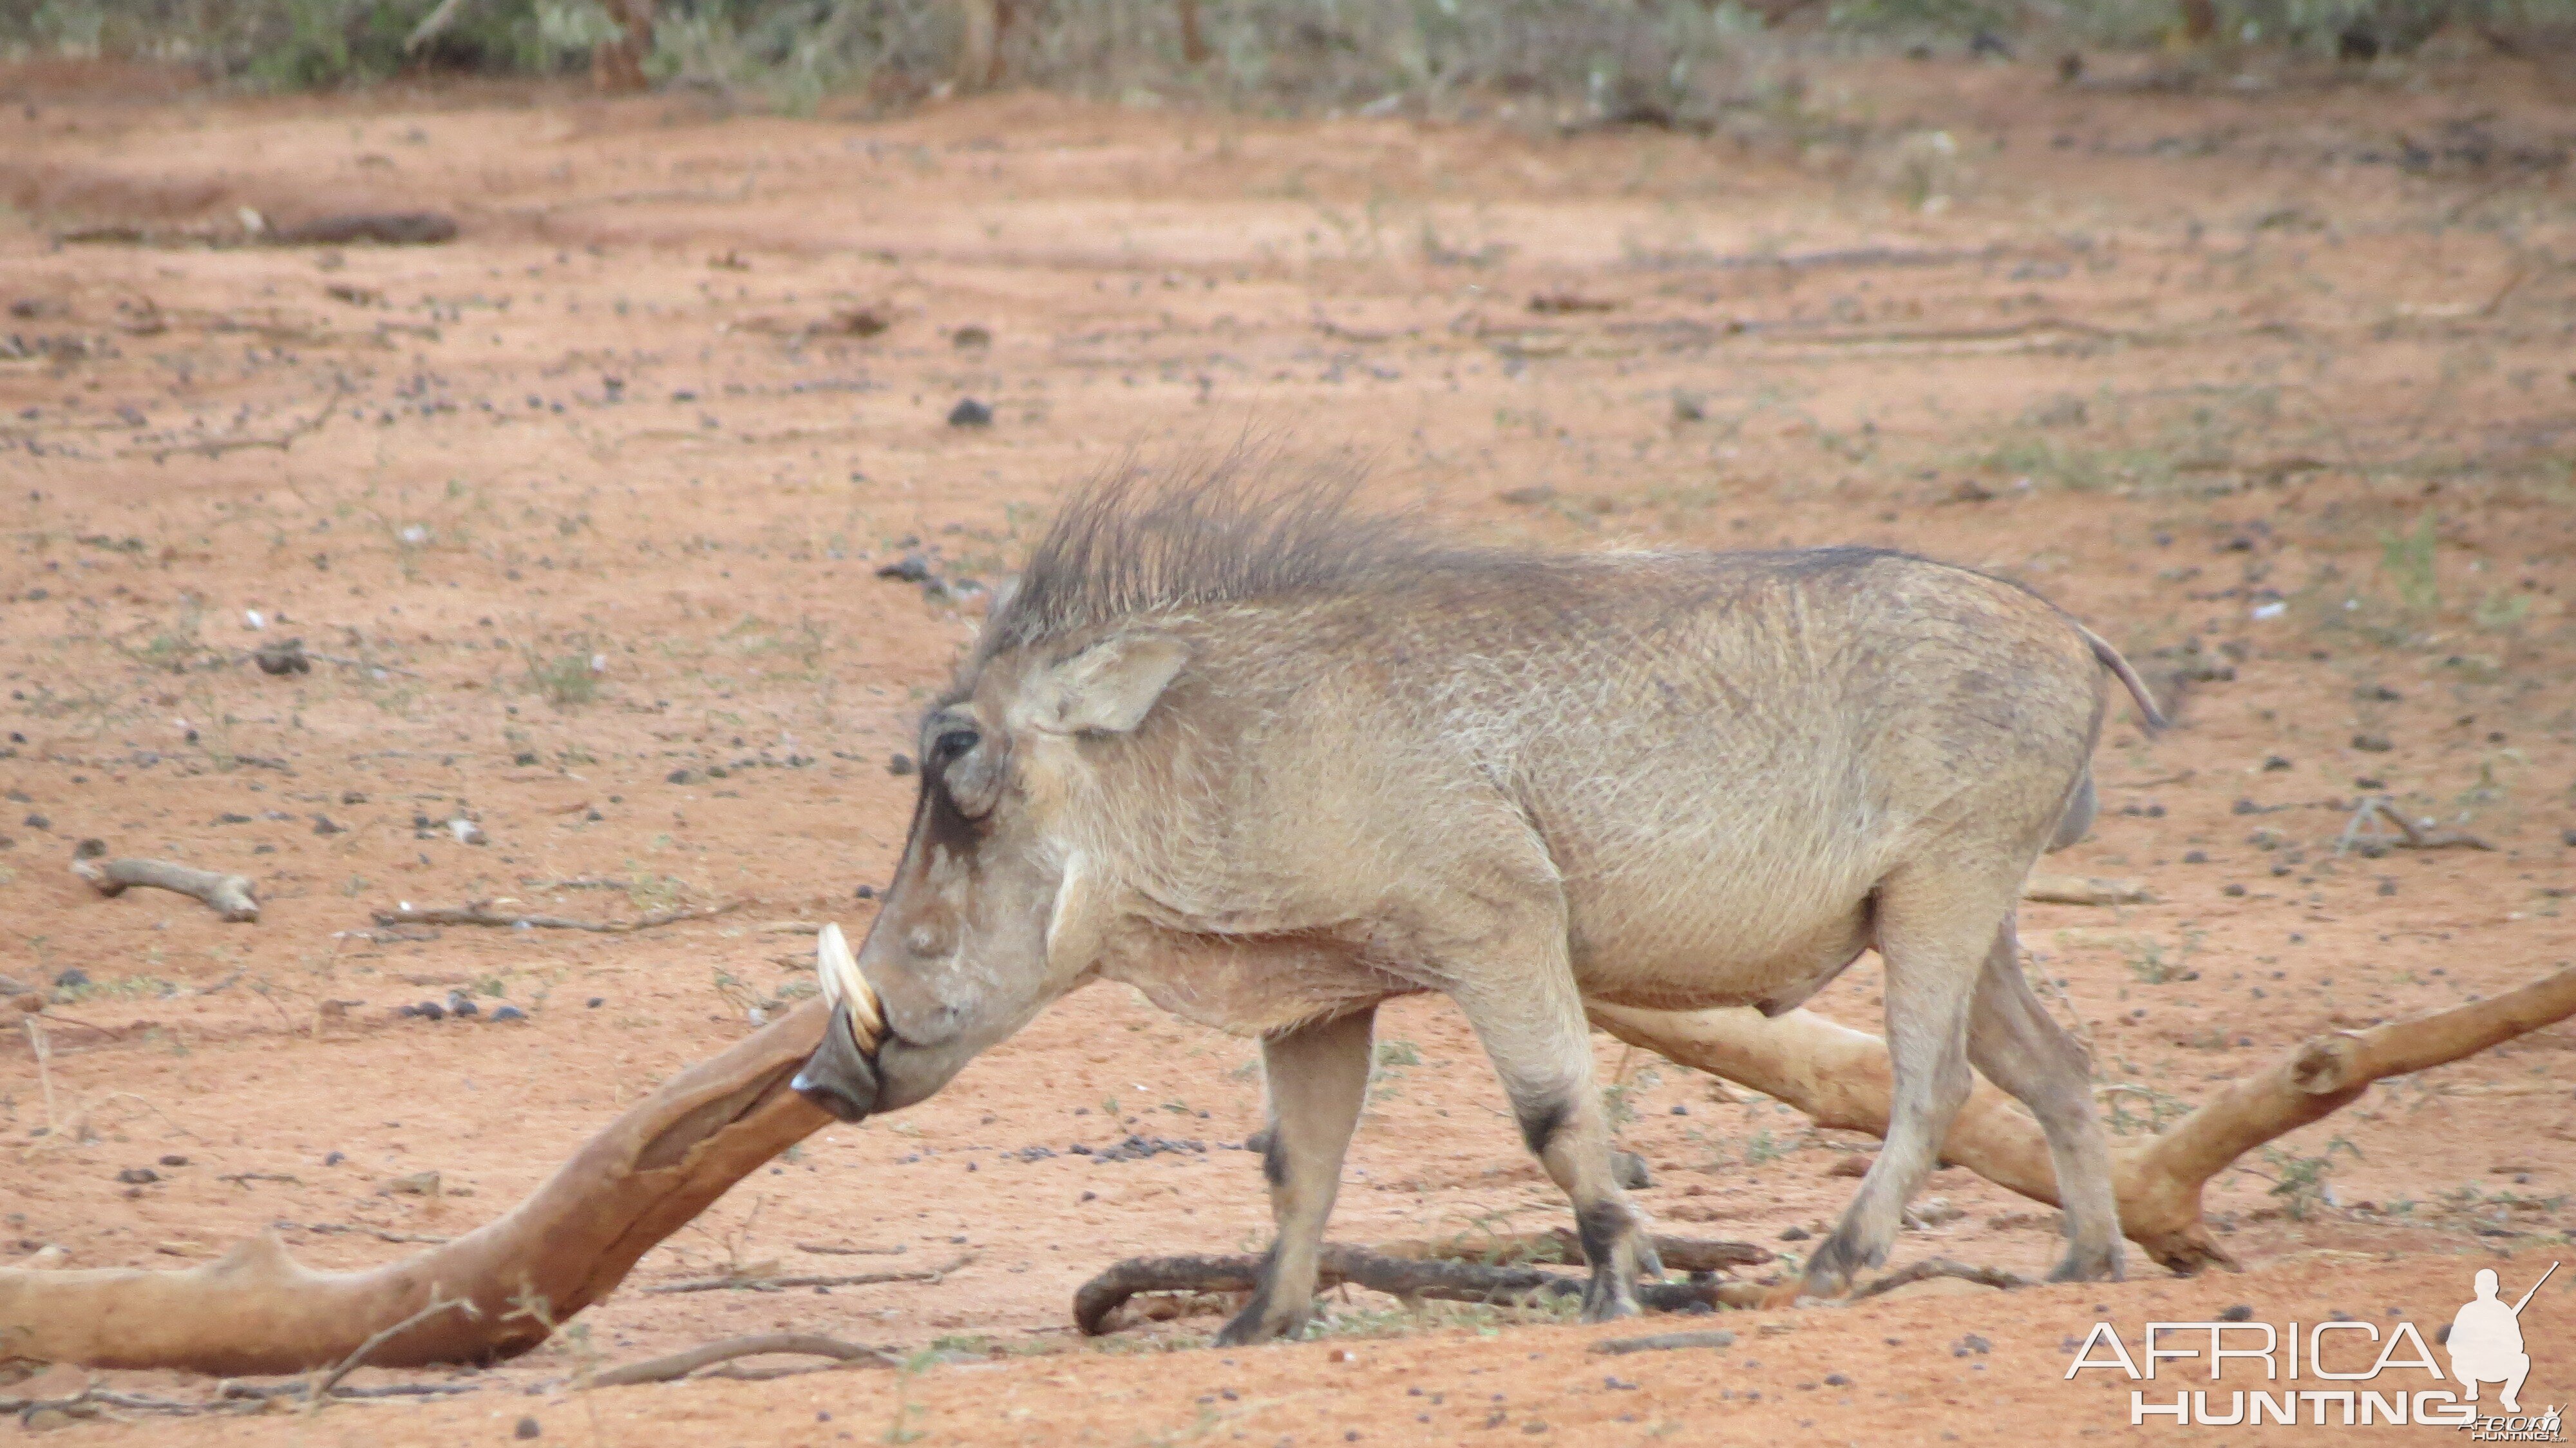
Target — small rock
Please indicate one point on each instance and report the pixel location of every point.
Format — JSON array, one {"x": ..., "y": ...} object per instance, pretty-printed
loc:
[
  {"x": 596, "y": 1002},
  {"x": 910, "y": 568},
  {"x": 174, "y": 1159},
  {"x": 71, "y": 978},
  {"x": 1528, "y": 497},
  {"x": 418, "y": 1184},
  {"x": 2274, "y": 763},
  {"x": 2238, "y": 1313},
  {"x": 528, "y": 1428},
  {"x": 970, "y": 413},
  {"x": 2372, "y": 743},
  {"x": 1854, "y": 1165},
  {"x": 467, "y": 832},
  {"x": 1972, "y": 1343},
  {"x": 138, "y": 1176},
  {"x": 353, "y": 796},
  {"x": 971, "y": 336},
  {"x": 680, "y": 776},
  {"x": 335, "y": 1158},
  {"x": 280, "y": 657},
  {"x": 2195, "y": 857},
  {"x": 1630, "y": 1170},
  {"x": 864, "y": 892},
  {"x": 899, "y": 765},
  {"x": 1837, "y": 1380},
  {"x": 1795, "y": 1234},
  {"x": 429, "y": 1011},
  {"x": 37, "y": 822},
  {"x": 322, "y": 825},
  {"x": 460, "y": 1004},
  {"x": 508, "y": 1013}
]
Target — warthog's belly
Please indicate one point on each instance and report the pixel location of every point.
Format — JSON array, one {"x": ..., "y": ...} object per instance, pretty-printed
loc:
[{"x": 1700, "y": 959}]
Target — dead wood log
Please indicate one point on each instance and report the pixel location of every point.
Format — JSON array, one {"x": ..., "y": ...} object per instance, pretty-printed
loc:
[
  {"x": 566, "y": 1246},
  {"x": 1407, "y": 1277},
  {"x": 1839, "y": 1076},
  {"x": 227, "y": 895}
]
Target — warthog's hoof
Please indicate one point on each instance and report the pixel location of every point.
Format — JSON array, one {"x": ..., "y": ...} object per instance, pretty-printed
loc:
[{"x": 1258, "y": 1323}]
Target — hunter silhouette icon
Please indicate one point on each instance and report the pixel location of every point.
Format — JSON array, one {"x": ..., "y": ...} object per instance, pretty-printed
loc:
[{"x": 2486, "y": 1340}]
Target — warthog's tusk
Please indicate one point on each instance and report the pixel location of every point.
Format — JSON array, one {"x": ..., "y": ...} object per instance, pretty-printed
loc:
[{"x": 844, "y": 986}]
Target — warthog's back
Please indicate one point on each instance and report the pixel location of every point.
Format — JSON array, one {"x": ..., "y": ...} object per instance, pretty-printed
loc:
[{"x": 1722, "y": 755}]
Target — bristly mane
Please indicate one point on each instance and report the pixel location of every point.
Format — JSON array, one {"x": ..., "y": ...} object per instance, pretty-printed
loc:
[{"x": 1225, "y": 530}]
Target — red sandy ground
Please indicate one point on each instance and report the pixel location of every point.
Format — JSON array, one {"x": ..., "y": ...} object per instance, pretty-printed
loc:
[{"x": 2166, "y": 357}]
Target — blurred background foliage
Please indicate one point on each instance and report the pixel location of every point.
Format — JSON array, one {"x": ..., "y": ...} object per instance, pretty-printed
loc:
[{"x": 1676, "y": 61}]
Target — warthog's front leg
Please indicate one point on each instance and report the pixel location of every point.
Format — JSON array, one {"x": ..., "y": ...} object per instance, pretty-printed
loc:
[{"x": 1318, "y": 1077}]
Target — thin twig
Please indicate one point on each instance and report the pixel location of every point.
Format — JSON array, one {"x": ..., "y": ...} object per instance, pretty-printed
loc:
[
  {"x": 2412, "y": 836},
  {"x": 830, "y": 1249},
  {"x": 349, "y": 1364},
  {"x": 215, "y": 447},
  {"x": 672, "y": 1366},
  {"x": 775, "y": 1284}
]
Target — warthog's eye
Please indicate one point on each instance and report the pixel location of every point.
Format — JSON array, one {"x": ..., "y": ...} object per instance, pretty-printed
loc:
[
  {"x": 969, "y": 775},
  {"x": 951, "y": 744}
]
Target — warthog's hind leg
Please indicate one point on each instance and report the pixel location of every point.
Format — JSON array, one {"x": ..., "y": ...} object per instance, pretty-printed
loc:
[
  {"x": 1935, "y": 928},
  {"x": 1318, "y": 1076},
  {"x": 2021, "y": 1049}
]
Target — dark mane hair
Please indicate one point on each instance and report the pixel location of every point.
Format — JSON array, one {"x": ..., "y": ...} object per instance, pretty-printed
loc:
[{"x": 1238, "y": 526}]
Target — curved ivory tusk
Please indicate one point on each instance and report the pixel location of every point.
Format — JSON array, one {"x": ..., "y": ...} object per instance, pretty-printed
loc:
[{"x": 843, "y": 985}]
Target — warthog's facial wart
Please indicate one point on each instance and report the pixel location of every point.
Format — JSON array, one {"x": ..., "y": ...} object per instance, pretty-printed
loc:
[{"x": 985, "y": 923}]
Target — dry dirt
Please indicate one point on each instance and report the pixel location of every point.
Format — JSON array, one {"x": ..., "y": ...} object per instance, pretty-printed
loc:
[{"x": 580, "y": 516}]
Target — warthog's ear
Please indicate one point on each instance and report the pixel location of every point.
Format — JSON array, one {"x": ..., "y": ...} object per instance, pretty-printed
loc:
[{"x": 1108, "y": 688}]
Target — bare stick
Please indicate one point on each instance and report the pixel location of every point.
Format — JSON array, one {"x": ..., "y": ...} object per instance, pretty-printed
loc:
[
  {"x": 226, "y": 895},
  {"x": 1943, "y": 1267},
  {"x": 833, "y": 1249},
  {"x": 43, "y": 1046},
  {"x": 1409, "y": 1278},
  {"x": 676, "y": 1365},
  {"x": 1665, "y": 1342},
  {"x": 379, "y": 1338},
  {"x": 480, "y": 912},
  {"x": 2411, "y": 835},
  {"x": 1839, "y": 1077}
]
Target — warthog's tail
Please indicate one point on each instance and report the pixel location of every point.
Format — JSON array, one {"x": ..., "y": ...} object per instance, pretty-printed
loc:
[{"x": 2111, "y": 660}]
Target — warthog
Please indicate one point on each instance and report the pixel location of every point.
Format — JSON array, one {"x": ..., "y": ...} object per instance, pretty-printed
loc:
[{"x": 1273, "y": 762}]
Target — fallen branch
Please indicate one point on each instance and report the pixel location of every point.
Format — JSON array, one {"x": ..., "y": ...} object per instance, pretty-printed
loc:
[
  {"x": 759, "y": 1283},
  {"x": 2079, "y": 890},
  {"x": 216, "y": 447},
  {"x": 673, "y": 1366},
  {"x": 480, "y": 912},
  {"x": 2410, "y": 835},
  {"x": 1839, "y": 1077},
  {"x": 1405, "y": 1277},
  {"x": 226, "y": 895},
  {"x": 567, "y": 1245},
  {"x": 1561, "y": 1245},
  {"x": 1930, "y": 1268}
]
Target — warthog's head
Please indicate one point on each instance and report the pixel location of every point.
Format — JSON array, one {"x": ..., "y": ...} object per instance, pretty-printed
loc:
[
  {"x": 989, "y": 917},
  {"x": 1041, "y": 766}
]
